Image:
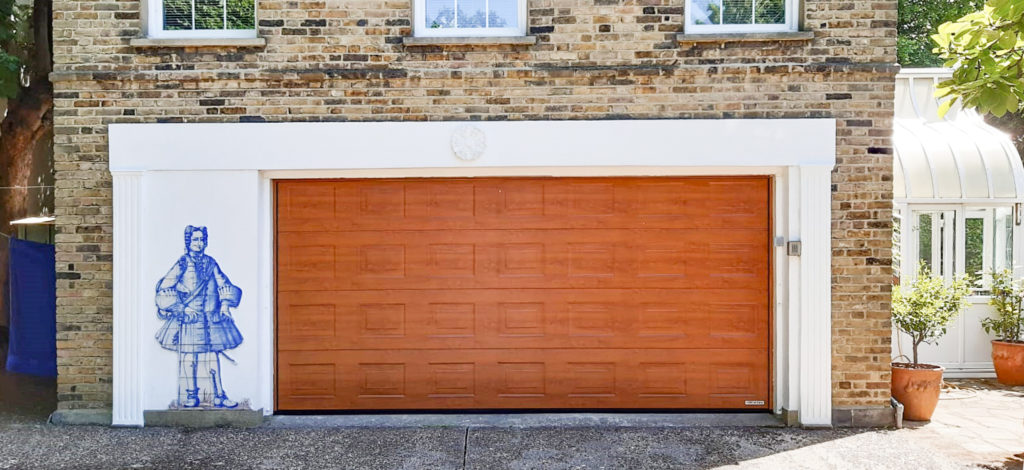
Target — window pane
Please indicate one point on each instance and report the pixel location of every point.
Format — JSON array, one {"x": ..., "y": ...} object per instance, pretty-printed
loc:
[
  {"x": 241, "y": 14},
  {"x": 209, "y": 14},
  {"x": 769, "y": 11},
  {"x": 707, "y": 11},
  {"x": 897, "y": 244},
  {"x": 935, "y": 233},
  {"x": 471, "y": 13},
  {"x": 504, "y": 13},
  {"x": 924, "y": 239},
  {"x": 989, "y": 242},
  {"x": 1002, "y": 238},
  {"x": 974, "y": 249},
  {"x": 177, "y": 15},
  {"x": 440, "y": 13},
  {"x": 737, "y": 11}
]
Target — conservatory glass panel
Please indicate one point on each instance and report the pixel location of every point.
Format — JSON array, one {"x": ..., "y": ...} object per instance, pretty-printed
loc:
[
  {"x": 988, "y": 243},
  {"x": 897, "y": 242},
  {"x": 934, "y": 232},
  {"x": 1002, "y": 238}
]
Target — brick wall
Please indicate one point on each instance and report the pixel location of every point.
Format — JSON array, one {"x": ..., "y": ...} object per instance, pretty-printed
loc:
[{"x": 340, "y": 60}]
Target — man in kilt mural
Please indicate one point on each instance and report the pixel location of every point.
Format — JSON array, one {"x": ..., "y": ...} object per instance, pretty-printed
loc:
[{"x": 195, "y": 299}]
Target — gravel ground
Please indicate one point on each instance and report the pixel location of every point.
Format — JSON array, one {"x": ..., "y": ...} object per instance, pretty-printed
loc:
[
  {"x": 85, "y": 447},
  {"x": 588, "y": 442}
]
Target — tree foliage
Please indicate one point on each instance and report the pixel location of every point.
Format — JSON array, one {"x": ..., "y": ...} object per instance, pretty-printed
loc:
[
  {"x": 918, "y": 20},
  {"x": 925, "y": 308},
  {"x": 986, "y": 48},
  {"x": 1008, "y": 300},
  {"x": 15, "y": 44}
]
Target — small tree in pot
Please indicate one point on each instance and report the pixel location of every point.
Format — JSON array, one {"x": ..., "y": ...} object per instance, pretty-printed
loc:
[
  {"x": 923, "y": 311},
  {"x": 1007, "y": 326}
]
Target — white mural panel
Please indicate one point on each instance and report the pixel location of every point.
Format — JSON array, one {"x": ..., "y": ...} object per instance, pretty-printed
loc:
[{"x": 199, "y": 325}]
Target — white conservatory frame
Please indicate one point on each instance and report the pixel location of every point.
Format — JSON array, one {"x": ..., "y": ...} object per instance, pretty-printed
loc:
[{"x": 952, "y": 165}]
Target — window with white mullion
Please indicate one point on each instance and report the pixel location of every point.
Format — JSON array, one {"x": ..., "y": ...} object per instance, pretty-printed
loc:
[
  {"x": 202, "y": 19},
  {"x": 729, "y": 16},
  {"x": 469, "y": 18},
  {"x": 961, "y": 240}
]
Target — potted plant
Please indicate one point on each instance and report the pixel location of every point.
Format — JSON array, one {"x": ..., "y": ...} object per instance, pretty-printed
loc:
[
  {"x": 922, "y": 311},
  {"x": 1007, "y": 325}
]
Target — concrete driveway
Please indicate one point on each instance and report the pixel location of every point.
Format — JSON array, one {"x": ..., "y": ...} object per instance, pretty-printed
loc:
[{"x": 530, "y": 442}]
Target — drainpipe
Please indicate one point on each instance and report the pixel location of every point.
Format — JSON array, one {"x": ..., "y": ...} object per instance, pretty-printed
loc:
[{"x": 897, "y": 409}]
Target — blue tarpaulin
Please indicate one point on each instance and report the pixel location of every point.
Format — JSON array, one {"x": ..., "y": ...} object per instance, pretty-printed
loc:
[{"x": 33, "y": 341}]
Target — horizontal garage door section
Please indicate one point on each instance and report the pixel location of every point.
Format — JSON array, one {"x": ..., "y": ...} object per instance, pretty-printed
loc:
[{"x": 523, "y": 293}]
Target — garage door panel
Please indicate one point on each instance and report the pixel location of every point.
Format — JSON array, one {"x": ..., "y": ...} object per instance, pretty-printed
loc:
[
  {"x": 525, "y": 378},
  {"x": 315, "y": 206},
  {"x": 685, "y": 259},
  {"x": 523, "y": 293},
  {"x": 530, "y": 318}
]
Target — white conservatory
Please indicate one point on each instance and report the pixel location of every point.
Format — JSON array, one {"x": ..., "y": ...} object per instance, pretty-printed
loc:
[{"x": 958, "y": 185}]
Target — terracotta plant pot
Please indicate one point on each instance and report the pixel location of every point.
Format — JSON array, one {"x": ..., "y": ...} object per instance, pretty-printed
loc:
[
  {"x": 1008, "y": 358},
  {"x": 917, "y": 387}
]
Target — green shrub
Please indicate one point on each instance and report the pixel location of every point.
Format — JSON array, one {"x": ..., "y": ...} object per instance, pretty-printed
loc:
[
  {"x": 926, "y": 308},
  {"x": 1008, "y": 300}
]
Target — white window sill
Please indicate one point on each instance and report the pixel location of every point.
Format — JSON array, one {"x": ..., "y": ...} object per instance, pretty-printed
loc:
[
  {"x": 470, "y": 41},
  {"x": 198, "y": 42},
  {"x": 794, "y": 36}
]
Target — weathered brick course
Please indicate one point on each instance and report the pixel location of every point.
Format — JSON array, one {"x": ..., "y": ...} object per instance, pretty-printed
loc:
[{"x": 343, "y": 60}]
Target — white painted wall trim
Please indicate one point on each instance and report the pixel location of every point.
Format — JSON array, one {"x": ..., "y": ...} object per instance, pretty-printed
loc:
[
  {"x": 266, "y": 292},
  {"x": 815, "y": 316},
  {"x": 127, "y": 367},
  {"x": 790, "y": 347},
  {"x": 379, "y": 145},
  {"x": 798, "y": 152}
]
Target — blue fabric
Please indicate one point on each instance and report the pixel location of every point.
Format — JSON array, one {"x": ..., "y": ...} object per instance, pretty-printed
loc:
[{"x": 33, "y": 341}]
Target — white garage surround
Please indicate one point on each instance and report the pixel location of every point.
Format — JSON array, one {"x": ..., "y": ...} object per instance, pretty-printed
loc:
[{"x": 167, "y": 176}]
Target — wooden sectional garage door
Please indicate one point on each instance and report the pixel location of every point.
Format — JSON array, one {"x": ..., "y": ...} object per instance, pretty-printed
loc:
[{"x": 490, "y": 293}]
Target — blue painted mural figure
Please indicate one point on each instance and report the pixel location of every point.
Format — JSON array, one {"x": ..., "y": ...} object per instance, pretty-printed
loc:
[{"x": 195, "y": 299}]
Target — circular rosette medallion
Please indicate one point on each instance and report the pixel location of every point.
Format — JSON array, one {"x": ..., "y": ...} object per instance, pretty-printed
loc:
[{"x": 468, "y": 142}]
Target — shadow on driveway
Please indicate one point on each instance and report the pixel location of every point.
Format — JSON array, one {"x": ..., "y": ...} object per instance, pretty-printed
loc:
[
  {"x": 25, "y": 399},
  {"x": 26, "y": 442}
]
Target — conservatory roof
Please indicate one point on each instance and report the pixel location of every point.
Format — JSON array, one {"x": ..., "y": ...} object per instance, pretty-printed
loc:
[{"x": 958, "y": 158}]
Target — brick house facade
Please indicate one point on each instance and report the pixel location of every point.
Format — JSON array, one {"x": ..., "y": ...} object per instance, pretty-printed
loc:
[{"x": 333, "y": 61}]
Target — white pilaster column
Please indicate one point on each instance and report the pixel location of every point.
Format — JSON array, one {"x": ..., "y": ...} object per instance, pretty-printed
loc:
[
  {"x": 266, "y": 296},
  {"x": 127, "y": 405},
  {"x": 815, "y": 299},
  {"x": 791, "y": 344}
]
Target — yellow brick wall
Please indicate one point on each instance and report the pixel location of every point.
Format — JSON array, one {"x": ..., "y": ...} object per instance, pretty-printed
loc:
[{"x": 594, "y": 59}]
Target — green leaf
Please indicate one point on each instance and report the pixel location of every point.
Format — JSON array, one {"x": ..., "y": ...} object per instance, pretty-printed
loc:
[
  {"x": 10, "y": 75},
  {"x": 1011, "y": 103},
  {"x": 944, "y": 107}
]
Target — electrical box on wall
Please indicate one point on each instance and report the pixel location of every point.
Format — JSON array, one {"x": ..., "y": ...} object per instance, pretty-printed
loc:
[{"x": 793, "y": 248}]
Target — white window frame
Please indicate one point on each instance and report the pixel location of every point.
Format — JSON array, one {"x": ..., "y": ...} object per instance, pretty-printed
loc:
[
  {"x": 420, "y": 28},
  {"x": 956, "y": 264},
  {"x": 155, "y": 26},
  {"x": 791, "y": 23}
]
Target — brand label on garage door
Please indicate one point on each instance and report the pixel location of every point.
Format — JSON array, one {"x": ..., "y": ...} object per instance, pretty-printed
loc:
[{"x": 754, "y": 403}]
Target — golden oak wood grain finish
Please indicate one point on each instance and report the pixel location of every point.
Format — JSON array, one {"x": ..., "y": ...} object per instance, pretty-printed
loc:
[{"x": 523, "y": 293}]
